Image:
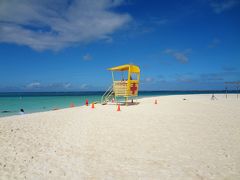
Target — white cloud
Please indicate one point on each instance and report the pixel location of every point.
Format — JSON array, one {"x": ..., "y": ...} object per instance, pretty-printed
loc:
[
  {"x": 33, "y": 85},
  {"x": 67, "y": 85},
  {"x": 57, "y": 85},
  {"x": 49, "y": 86},
  {"x": 223, "y": 5},
  {"x": 182, "y": 57},
  {"x": 55, "y": 24},
  {"x": 84, "y": 87},
  {"x": 214, "y": 43},
  {"x": 148, "y": 79},
  {"x": 87, "y": 57}
]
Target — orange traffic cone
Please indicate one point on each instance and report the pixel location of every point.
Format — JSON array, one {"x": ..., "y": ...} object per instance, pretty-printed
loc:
[
  {"x": 118, "y": 109},
  {"x": 92, "y": 105},
  {"x": 72, "y": 105},
  {"x": 155, "y": 101}
]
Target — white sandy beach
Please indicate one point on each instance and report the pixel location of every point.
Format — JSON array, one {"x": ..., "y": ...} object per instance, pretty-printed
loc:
[{"x": 175, "y": 139}]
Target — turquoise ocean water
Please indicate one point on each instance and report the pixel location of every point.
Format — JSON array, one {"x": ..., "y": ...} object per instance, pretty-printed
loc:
[{"x": 11, "y": 103}]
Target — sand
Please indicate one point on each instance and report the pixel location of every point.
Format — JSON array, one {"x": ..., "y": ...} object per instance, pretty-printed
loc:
[{"x": 176, "y": 139}]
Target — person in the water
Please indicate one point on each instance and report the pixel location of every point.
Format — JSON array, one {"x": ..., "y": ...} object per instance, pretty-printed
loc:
[
  {"x": 21, "y": 111},
  {"x": 5, "y": 111}
]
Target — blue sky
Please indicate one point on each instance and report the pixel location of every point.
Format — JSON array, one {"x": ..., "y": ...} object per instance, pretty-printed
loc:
[{"x": 67, "y": 45}]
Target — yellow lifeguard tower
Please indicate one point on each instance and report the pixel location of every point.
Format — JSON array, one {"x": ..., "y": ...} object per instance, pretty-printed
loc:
[{"x": 124, "y": 87}]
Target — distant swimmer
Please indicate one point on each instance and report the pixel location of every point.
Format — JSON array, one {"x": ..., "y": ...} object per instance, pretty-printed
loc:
[
  {"x": 21, "y": 111},
  {"x": 6, "y": 111}
]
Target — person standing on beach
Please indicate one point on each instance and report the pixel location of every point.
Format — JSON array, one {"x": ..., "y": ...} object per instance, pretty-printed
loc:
[{"x": 213, "y": 97}]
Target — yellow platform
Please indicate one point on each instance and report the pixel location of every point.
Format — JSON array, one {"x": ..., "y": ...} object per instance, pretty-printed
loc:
[{"x": 130, "y": 86}]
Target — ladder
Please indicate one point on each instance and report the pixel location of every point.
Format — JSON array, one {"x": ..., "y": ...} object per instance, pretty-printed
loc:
[{"x": 108, "y": 95}]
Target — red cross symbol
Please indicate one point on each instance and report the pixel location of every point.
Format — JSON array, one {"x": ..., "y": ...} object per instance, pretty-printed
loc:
[{"x": 133, "y": 88}]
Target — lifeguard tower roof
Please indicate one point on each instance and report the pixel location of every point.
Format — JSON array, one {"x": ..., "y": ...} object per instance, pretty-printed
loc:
[{"x": 126, "y": 67}]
